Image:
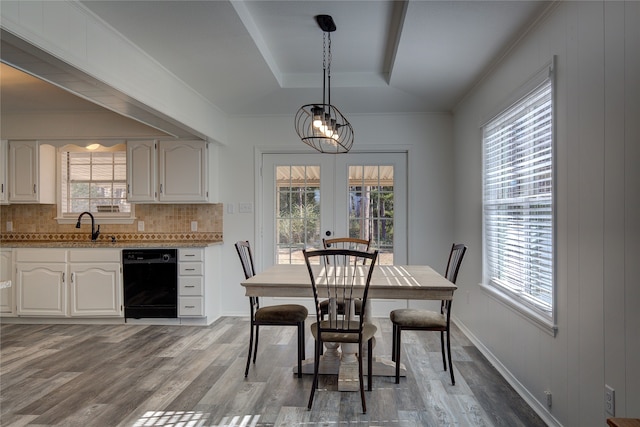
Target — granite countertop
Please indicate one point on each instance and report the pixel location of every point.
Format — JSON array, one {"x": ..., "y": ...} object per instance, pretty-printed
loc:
[{"x": 117, "y": 240}]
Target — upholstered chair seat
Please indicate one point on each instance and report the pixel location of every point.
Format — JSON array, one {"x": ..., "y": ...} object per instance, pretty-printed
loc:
[{"x": 292, "y": 313}]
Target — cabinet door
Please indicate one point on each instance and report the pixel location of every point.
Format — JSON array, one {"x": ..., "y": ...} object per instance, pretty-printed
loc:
[
  {"x": 7, "y": 303},
  {"x": 32, "y": 172},
  {"x": 183, "y": 171},
  {"x": 23, "y": 158},
  {"x": 141, "y": 171},
  {"x": 41, "y": 289},
  {"x": 4, "y": 189},
  {"x": 95, "y": 289}
]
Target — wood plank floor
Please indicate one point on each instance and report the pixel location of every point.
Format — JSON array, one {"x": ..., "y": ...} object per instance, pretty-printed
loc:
[{"x": 139, "y": 375}]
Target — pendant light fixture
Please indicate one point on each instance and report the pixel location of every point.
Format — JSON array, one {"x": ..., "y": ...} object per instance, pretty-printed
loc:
[{"x": 321, "y": 125}]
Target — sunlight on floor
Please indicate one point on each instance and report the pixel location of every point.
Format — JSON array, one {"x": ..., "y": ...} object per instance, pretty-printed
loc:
[{"x": 193, "y": 419}]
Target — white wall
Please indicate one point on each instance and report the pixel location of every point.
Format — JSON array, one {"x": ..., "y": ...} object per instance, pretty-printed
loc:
[
  {"x": 428, "y": 139},
  {"x": 597, "y": 46}
]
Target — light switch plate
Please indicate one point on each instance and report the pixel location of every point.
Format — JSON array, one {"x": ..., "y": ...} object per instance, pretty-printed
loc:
[
  {"x": 140, "y": 225},
  {"x": 194, "y": 225},
  {"x": 245, "y": 207}
]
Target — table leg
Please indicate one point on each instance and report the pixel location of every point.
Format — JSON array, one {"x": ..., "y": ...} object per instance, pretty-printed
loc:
[{"x": 343, "y": 361}]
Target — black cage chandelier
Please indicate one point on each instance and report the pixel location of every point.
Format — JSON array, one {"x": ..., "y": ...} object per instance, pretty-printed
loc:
[{"x": 322, "y": 126}]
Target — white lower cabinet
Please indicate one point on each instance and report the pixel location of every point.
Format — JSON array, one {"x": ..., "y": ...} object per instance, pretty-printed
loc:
[
  {"x": 191, "y": 282},
  {"x": 7, "y": 300},
  {"x": 69, "y": 283},
  {"x": 95, "y": 287},
  {"x": 198, "y": 270},
  {"x": 41, "y": 288}
]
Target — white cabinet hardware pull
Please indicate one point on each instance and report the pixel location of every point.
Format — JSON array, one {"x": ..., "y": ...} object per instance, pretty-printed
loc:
[{"x": 189, "y": 306}]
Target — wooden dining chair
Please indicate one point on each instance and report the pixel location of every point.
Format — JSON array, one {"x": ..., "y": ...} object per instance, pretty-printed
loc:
[
  {"x": 273, "y": 315},
  {"x": 427, "y": 320},
  {"x": 342, "y": 275},
  {"x": 344, "y": 243}
]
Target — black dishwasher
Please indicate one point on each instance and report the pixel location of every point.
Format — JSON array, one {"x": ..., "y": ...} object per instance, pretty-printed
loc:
[{"x": 150, "y": 279}]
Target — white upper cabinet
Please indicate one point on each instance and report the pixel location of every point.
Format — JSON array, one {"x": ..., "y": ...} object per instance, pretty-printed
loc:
[
  {"x": 168, "y": 171},
  {"x": 4, "y": 188},
  {"x": 141, "y": 171},
  {"x": 32, "y": 172},
  {"x": 183, "y": 173}
]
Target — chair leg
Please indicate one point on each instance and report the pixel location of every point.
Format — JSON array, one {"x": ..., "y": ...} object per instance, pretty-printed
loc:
[
  {"x": 361, "y": 378},
  {"x": 453, "y": 381},
  {"x": 246, "y": 370},
  {"x": 302, "y": 327},
  {"x": 300, "y": 348},
  {"x": 370, "y": 365},
  {"x": 255, "y": 348},
  {"x": 444, "y": 361},
  {"x": 316, "y": 364},
  {"x": 397, "y": 342},
  {"x": 393, "y": 343}
]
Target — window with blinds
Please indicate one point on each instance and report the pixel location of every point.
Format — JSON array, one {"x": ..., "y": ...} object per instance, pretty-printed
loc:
[
  {"x": 95, "y": 182},
  {"x": 518, "y": 200}
]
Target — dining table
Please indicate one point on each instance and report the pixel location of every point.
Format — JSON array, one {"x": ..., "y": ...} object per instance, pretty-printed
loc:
[{"x": 390, "y": 282}]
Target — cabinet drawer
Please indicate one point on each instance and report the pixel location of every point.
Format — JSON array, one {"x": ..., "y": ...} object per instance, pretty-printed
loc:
[
  {"x": 41, "y": 255},
  {"x": 190, "y": 306},
  {"x": 190, "y": 285},
  {"x": 95, "y": 255},
  {"x": 194, "y": 254},
  {"x": 190, "y": 269}
]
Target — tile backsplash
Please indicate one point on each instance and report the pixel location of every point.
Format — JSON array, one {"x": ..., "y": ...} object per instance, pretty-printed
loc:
[{"x": 158, "y": 218}]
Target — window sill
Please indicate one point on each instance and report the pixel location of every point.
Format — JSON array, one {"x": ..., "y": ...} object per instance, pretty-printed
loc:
[
  {"x": 98, "y": 220},
  {"x": 537, "y": 319}
]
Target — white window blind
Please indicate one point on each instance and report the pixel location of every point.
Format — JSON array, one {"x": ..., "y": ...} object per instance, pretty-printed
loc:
[
  {"x": 518, "y": 200},
  {"x": 94, "y": 182}
]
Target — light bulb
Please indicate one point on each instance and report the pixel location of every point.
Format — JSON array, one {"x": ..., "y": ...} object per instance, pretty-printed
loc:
[{"x": 316, "y": 113}]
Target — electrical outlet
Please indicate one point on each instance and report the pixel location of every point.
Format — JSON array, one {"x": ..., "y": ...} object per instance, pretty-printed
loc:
[
  {"x": 548, "y": 394},
  {"x": 194, "y": 225},
  {"x": 245, "y": 207},
  {"x": 140, "y": 225},
  {"x": 609, "y": 400}
]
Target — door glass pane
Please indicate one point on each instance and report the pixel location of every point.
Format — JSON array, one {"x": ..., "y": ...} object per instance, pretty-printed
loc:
[
  {"x": 370, "y": 192},
  {"x": 298, "y": 211}
]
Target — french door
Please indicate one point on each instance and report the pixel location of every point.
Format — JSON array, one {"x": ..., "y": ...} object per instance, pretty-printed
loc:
[{"x": 307, "y": 197}]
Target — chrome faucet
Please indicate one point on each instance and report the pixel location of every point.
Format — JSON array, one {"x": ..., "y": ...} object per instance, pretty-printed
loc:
[{"x": 94, "y": 232}]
